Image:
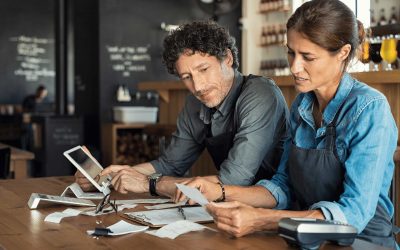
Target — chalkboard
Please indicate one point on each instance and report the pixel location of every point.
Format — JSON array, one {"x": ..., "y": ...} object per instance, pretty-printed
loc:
[
  {"x": 58, "y": 134},
  {"x": 26, "y": 48},
  {"x": 131, "y": 42}
]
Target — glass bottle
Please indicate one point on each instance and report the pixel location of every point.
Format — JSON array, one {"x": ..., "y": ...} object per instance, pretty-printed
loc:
[
  {"x": 382, "y": 18},
  {"x": 393, "y": 17},
  {"x": 373, "y": 20}
]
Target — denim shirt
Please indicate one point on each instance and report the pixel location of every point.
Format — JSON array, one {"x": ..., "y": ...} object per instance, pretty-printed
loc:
[{"x": 366, "y": 141}]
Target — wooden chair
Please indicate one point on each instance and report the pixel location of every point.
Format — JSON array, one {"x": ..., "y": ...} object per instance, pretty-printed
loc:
[{"x": 5, "y": 154}]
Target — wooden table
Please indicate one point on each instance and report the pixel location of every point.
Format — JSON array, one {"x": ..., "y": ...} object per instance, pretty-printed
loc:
[
  {"x": 21, "y": 228},
  {"x": 19, "y": 161}
]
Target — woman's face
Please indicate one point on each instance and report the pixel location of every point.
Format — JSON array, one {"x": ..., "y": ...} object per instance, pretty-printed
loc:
[{"x": 313, "y": 67}]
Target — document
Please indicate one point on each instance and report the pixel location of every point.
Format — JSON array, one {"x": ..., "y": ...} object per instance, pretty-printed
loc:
[
  {"x": 121, "y": 228},
  {"x": 177, "y": 228},
  {"x": 77, "y": 191},
  {"x": 158, "y": 218},
  {"x": 58, "y": 216},
  {"x": 193, "y": 194}
]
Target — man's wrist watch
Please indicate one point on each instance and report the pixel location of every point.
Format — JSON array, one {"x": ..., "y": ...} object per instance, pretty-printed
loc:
[{"x": 153, "y": 179}]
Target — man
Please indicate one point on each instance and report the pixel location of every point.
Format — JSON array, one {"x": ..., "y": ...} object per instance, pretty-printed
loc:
[
  {"x": 241, "y": 120},
  {"x": 29, "y": 102}
]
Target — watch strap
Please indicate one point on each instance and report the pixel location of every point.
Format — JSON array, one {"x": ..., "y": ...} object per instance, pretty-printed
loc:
[{"x": 152, "y": 186}]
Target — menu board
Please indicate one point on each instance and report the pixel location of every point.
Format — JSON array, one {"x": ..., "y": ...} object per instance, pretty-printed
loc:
[
  {"x": 128, "y": 59},
  {"x": 27, "y": 49},
  {"x": 32, "y": 57}
]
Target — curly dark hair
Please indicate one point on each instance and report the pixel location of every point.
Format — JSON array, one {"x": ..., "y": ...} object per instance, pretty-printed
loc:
[{"x": 200, "y": 36}]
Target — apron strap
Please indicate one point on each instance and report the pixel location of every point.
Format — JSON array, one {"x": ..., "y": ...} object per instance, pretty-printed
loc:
[{"x": 395, "y": 229}]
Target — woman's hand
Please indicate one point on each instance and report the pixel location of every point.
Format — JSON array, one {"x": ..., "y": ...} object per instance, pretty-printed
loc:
[
  {"x": 209, "y": 189},
  {"x": 238, "y": 219}
]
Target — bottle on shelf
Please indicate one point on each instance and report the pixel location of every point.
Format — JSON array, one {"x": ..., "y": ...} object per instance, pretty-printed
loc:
[
  {"x": 393, "y": 17},
  {"x": 373, "y": 20},
  {"x": 382, "y": 18},
  {"x": 275, "y": 67}
]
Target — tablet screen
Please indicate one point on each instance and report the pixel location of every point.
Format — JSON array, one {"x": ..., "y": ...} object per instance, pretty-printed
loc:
[{"x": 90, "y": 166}]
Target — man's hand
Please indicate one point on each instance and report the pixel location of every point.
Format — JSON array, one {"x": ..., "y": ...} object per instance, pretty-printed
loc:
[
  {"x": 209, "y": 189},
  {"x": 127, "y": 179},
  {"x": 83, "y": 182},
  {"x": 238, "y": 219}
]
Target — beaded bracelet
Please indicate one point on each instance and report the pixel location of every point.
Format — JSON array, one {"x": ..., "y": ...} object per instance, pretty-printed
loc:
[{"x": 222, "y": 198}]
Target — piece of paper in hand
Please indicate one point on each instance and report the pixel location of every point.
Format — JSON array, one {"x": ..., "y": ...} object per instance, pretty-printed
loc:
[
  {"x": 122, "y": 227},
  {"x": 193, "y": 194},
  {"x": 177, "y": 228}
]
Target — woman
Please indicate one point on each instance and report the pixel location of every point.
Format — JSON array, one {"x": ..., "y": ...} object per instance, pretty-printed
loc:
[{"x": 338, "y": 164}]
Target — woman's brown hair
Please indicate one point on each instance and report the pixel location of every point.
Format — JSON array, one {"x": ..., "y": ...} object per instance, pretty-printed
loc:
[{"x": 330, "y": 24}]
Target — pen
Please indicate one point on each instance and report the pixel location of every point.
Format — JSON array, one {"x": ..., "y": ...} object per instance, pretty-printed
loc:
[{"x": 180, "y": 210}]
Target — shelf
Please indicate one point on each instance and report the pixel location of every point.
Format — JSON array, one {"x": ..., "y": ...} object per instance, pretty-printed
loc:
[
  {"x": 386, "y": 29},
  {"x": 372, "y": 77},
  {"x": 271, "y": 44},
  {"x": 283, "y": 10},
  {"x": 162, "y": 87}
]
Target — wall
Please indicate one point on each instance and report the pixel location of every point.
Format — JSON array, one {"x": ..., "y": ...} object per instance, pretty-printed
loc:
[
  {"x": 131, "y": 29},
  {"x": 26, "y": 48}
]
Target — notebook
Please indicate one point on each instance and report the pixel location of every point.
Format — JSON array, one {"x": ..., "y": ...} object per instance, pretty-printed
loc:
[{"x": 159, "y": 218}]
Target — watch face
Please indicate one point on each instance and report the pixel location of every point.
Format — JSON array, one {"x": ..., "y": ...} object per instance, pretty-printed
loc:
[{"x": 155, "y": 176}]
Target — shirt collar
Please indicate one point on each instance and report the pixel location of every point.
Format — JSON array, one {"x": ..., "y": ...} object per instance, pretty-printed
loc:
[
  {"x": 345, "y": 86},
  {"x": 227, "y": 104}
]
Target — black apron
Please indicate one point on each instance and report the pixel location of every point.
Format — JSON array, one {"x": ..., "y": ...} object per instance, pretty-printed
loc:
[
  {"x": 219, "y": 146},
  {"x": 317, "y": 175}
]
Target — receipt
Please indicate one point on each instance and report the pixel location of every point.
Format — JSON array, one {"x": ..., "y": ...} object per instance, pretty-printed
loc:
[
  {"x": 193, "y": 194},
  {"x": 122, "y": 227},
  {"x": 177, "y": 228},
  {"x": 58, "y": 216}
]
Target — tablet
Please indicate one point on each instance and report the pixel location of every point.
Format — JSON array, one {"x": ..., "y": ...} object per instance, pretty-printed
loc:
[{"x": 89, "y": 167}]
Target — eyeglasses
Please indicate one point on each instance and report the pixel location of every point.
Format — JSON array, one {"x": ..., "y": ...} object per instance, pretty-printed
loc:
[
  {"x": 104, "y": 203},
  {"x": 180, "y": 210}
]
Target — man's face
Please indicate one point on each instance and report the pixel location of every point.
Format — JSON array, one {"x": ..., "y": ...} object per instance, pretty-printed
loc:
[{"x": 206, "y": 77}]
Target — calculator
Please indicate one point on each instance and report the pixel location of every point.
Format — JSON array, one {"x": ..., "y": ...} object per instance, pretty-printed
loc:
[{"x": 309, "y": 233}]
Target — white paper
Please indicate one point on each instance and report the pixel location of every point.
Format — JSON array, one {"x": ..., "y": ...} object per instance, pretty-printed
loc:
[
  {"x": 79, "y": 193},
  {"x": 107, "y": 210},
  {"x": 58, "y": 216},
  {"x": 143, "y": 201},
  {"x": 122, "y": 227},
  {"x": 167, "y": 216},
  {"x": 177, "y": 228},
  {"x": 193, "y": 194}
]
